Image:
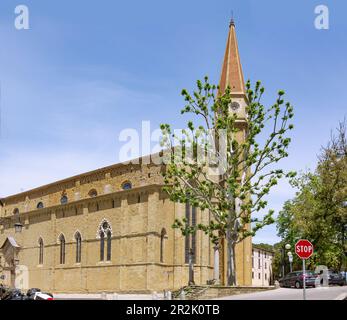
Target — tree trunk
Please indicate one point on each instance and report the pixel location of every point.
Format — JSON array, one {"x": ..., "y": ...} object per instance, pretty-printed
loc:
[{"x": 231, "y": 270}]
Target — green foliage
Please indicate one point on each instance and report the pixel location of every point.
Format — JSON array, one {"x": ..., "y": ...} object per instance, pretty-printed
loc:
[
  {"x": 248, "y": 175},
  {"x": 264, "y": 246},
  {"x": 319, "y": 212}
]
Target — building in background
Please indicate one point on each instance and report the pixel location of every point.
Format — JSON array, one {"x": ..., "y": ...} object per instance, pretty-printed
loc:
[{"x": 262, "y": 274}]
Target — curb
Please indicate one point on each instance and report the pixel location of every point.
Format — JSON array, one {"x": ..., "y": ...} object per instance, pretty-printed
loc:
[{"x": 342, "y": 296}]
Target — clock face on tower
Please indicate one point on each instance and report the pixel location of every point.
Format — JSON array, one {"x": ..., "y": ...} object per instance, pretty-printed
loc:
[{"x": 235, "y": 106}]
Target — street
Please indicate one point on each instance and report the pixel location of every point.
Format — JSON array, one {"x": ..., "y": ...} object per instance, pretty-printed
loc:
[{"x": 330, "y": 293}]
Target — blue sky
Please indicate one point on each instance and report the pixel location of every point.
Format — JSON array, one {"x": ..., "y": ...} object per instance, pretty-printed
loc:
[{"x": 85, "y": 70}]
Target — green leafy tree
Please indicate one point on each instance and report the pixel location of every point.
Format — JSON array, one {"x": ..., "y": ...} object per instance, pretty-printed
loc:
[
  {"x": 246, "y": 166},
  {"x": 319, "y": 211},
  {"x": 264, "y": 246}
]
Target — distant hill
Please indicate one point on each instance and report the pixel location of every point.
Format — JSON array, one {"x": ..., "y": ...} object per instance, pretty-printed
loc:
[{"x": 264, "y": 246}]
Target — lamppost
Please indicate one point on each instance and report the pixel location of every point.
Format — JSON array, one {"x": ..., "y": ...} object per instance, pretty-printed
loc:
[
  {"x": 17, "y": 226},
  {"x": 16, "y": 262},
  {"x": 283, "y": 251},
  {"x": 290, "y": 258}
]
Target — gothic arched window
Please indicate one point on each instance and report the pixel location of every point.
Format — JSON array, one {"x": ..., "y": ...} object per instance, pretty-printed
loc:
[
  {"x": 40, "y": 251},
  {"x": 16, "y": 211},
  {"x": 109, "y": 243},
  {"x": 62, "y": 249},
  {"x": 102, "y": 246},
  {"x": 105, "y": 233},
  {"x": 78, "y": 239}
]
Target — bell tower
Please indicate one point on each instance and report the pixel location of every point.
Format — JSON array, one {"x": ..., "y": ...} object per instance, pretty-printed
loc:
[{"x": 232, "y": 76}]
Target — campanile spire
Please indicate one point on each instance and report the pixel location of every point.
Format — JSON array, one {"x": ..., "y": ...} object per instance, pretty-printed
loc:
[{"x": 232, "y": 74}]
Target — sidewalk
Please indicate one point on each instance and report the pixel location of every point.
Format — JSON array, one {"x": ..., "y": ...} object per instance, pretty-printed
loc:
[{"x": 105, "y": 296}]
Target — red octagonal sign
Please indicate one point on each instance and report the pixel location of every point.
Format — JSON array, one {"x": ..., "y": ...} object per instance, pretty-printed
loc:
[{"x": 304, "y": 249}]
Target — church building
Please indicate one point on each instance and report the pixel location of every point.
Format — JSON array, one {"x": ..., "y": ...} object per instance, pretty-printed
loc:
[{"x": 110, "y": 230}]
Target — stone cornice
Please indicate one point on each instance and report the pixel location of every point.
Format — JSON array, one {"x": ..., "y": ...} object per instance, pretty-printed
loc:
[{"x": 81, "y": 202}]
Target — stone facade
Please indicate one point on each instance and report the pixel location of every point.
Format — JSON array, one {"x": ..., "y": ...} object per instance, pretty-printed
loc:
[{"x": 140, "y": 220}]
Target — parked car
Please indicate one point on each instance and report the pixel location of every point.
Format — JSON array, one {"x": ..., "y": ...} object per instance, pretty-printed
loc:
[
  {"x": 336, "y": 278},
  {"x": 296, "y": 279}
]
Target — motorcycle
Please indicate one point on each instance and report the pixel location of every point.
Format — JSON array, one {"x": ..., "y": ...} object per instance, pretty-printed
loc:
[
  {"x": 16, "y": 294},
  {"x": 36, "y": 294}
]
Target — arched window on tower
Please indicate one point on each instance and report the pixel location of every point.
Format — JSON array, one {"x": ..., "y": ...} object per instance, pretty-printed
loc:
[
  {"x": 163, "y": 237},
  {"x": 62, "y": 249},
  {"x": 40, "y": 251},
  {"x": 78, "y": 239},
  {"x": 105, "y": 234}
]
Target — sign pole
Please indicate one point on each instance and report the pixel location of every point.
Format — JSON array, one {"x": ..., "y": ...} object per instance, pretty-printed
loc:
[
  {"x": 304, "y": 249},
  {"x": 304, "y": 278}
]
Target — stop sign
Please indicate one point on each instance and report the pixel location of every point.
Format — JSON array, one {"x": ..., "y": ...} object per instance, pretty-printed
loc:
[{"x": 304, "y": 249}]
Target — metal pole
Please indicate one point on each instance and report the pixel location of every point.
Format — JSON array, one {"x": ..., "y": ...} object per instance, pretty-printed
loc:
[
  {"x": 290, "y": 258},
  {"x": 304, "y": 278},
  {"x": 282, "y": 258}
]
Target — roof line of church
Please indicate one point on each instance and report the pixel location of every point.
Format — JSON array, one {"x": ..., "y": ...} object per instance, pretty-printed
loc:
[{"x": 133, "y": 162}]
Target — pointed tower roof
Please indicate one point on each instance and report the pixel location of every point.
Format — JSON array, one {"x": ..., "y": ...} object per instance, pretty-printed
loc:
[{"x": 232, "y": 71}]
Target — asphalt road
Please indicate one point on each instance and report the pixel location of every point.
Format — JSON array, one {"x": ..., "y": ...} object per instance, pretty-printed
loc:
[{"x": 330, "y": 293}]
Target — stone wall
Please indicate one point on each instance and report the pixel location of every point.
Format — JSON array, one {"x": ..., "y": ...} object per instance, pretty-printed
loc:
[{"x": 137, "y": 218}]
